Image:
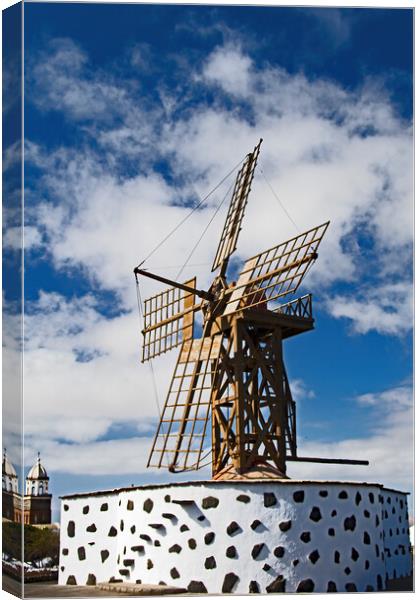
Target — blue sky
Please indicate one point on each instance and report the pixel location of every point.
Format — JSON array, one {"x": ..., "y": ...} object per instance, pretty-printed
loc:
[{"x": 132, "y": 112}]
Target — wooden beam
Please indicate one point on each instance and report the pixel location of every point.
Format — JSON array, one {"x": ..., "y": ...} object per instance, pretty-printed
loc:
[
  {"x": 174, "y": 317},
  {"x": 283, "y": 269},
  {"x": 334, "y": 461},
  {"x": 181, "y": 286}
]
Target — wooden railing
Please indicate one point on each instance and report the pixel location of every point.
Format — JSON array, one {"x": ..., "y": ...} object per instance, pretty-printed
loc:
[{"x": 301, "y": 307}]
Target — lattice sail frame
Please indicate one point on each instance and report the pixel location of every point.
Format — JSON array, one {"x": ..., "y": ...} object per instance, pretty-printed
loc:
[
  {"x": 168, "y": 320},
  {"x": 180, "y": 437},
  {"x": 205, "y": 381},
  {"x": 232, "y": 226},
  {"x": 275, "y": 272},
  {"x": 209, "y": 377}
]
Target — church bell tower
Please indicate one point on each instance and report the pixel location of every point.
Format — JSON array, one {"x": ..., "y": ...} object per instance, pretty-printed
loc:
[{"x": 37, "y": 504}]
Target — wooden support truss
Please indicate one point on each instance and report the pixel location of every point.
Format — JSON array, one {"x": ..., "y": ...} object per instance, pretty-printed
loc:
[{"x": 253, "y": 416}]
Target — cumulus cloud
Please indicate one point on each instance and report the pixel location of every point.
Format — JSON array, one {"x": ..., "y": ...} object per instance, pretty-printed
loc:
[
  {"x": 83, "y": 370},
  {"x": 329, "y": 153},
  {"x": 12, "y": 238},
  {"x": 387, "y": 309},
  {"x": 109, "y": 457},
  {"x": 300, "y": 390},
  {"x": 388, "y": 445},
  {"x": 62, "y": 83},
  {"x": 394, "y": 399},
  {"x": 229, "y": 68},
  {"x": 12, "y": 156},
  {"x": 113, "y": 113}
]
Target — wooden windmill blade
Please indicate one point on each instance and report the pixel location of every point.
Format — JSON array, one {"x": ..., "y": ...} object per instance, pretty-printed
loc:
[
  {"x": 232, "y": 226},
  {"x": 168, "y": 320},
  {"x": 181, "y": 433},
  {"x": 275, "y": 272}
]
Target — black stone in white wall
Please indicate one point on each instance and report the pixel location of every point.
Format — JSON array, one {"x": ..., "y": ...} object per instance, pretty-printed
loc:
[
  {"x": 277, "y": 586},
  {"x": 210, "y": 502},
  {"x": 209, "y": 537},
  {"x": 243, "y": 498},
  {"x": 269, "y": 499},
  {"x": 71, "y": 528},
  {"x": 233, "y": 528},
  {"x": 315, "y": 514},
  {"x": 306, "y": 585},
  {"x": 197, "y": 587},
  {"x": 229, "y": 583},
  {"x": 299, "y": 496},
  {"x": 210, "y": 562},
  {"x": 350, "y": 523},
  {"x": 285, "y": 525}
]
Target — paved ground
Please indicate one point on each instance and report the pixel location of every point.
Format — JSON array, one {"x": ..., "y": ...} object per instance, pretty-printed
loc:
[{"x": 52, "y": 590}]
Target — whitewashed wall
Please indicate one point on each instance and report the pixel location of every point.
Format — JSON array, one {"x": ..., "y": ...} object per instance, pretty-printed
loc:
[
  {"x": 238, "y": 537},
  {"x": 396, "y": 533}
]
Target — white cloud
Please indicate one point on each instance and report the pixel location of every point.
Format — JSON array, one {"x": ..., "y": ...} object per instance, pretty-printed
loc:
[
  {"x": 387, "y": 309},
  {"x": 110, "y": 111},
  {"x": 392, "y": 400},
  {"x": 110, "y": 457},
  {"x": 13, "y": 238},
  {"x": 12, "y": 156},
  {"x": 316, "y": 156},
  {"x": 82, "y": 371},
  {"x": 389, "y": 447},
  {"x": 329, "y": 154},
  {"x": 66, "y": 86},
  {"x": 228, "y": 67},
  {"x": 300, "y": 390}
]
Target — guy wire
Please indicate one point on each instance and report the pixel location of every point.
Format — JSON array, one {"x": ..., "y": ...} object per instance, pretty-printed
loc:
[
  {"x": 152, "y": 371},
  {"x": 197, "y": 206},
  {"x": 204, "y": 231},
  {"x": 279, "y": 201},
  {"x": 282, "y": 206}
]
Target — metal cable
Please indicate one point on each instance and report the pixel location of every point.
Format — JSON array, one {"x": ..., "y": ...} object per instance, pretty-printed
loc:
[
  {"x": 152, "y": 371},
  {"x": 161, "y": 267},
  {"x": 197, "y": 206},
  {"x": 204, "y": 231},
  {"x": 281, "y": 204},
  {"x": 279, "y": 201}
]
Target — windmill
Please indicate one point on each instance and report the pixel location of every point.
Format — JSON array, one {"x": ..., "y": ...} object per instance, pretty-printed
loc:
[{"x": 233, "y": 374}]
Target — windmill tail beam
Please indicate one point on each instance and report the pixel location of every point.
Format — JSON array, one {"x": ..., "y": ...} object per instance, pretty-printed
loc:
[
  {"x": 201, "y": 293},
  {"x": 333, "y": 461}
]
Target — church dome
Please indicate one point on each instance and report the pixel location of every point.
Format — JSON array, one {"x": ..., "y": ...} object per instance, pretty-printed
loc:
[
  {"x": 37, "y": 471},
  {"x": 8, "y": 468}
]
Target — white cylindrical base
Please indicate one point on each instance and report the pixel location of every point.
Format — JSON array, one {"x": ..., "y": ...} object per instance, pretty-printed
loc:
[{"x": 238, "y": 536}]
